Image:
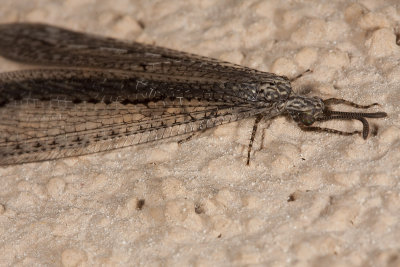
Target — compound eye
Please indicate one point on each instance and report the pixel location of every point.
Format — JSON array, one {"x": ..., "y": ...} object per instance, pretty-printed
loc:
[{"x": 307, "y": 119}]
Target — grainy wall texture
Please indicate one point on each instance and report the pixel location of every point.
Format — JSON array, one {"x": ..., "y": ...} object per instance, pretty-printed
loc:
[{"x": 307, "y": 199}]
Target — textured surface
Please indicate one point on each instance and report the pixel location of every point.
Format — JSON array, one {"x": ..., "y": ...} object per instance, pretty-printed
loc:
[{"x": 306, "y": 199}]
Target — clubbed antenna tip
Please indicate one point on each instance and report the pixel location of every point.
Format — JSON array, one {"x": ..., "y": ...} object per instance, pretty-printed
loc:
[
  {"x": 361, "y": 116},
  {"x": 341, "y": 115}
]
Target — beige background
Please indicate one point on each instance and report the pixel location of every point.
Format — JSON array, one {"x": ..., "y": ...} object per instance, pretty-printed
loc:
[{"x": 307, "y": 199}]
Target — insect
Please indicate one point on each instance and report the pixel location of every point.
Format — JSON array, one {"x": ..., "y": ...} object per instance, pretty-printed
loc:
[{"x": 96, "y": 94}]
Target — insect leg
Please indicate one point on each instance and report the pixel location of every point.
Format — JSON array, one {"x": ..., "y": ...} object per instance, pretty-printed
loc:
[
  {"x": 337, "y": 101},
  {"x": 253, "y": 135}
]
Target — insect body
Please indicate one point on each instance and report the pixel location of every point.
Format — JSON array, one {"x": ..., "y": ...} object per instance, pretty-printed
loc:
[{"x": 96, "y": 94}]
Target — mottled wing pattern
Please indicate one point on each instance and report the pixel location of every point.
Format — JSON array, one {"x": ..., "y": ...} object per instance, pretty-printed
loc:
[
  {"x": 49, "y": 45},
  {"x": 49, "y": 114},
  {"x": 101, "y": 94}
]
